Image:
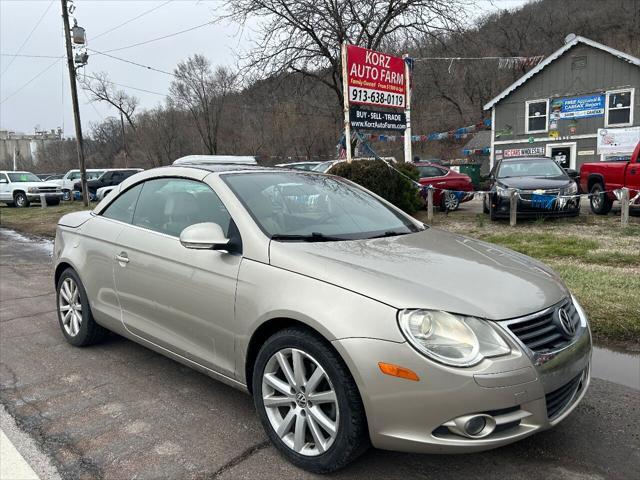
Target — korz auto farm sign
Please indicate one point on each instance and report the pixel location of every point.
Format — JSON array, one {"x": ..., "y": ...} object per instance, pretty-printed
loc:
[{"x": 375, "y": 78}]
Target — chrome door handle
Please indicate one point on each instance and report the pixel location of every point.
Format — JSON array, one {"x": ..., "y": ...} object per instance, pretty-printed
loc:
[{"x": 122, "y": 258}]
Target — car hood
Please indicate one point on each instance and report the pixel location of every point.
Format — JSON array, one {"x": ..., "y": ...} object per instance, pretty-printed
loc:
[
  {"x": 36, "y": 184},
  {"x": 534, "y": 183},
  {"x": 430, "y": 269}
]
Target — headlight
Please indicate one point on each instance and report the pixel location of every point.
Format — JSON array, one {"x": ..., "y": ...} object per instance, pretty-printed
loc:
[
  {"x": 571, "y": 189},
  {"x": 451, "y": 339},
  {"x": 501, "y": 191},
  {"x": 32, "y": 190}
]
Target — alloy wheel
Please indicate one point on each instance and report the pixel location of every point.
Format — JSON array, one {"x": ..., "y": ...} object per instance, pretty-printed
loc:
[
  {"x": 596, "y": 197},
  {"x": 450, "y": 201},
  {"x": 300, "y": 402},
  {"x": 20, "y": 200},
  {"x": 70, "y": 307}
]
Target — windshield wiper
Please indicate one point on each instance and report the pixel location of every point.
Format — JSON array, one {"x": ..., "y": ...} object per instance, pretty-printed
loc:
[
  {"x": 312, "y": 237},
  {"x": 389, "y": 233}
]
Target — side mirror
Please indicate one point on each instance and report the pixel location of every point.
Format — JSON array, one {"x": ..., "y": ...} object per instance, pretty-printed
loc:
[
  {"x": 572, "y": 173},
  {"x": 204, "y": 236}
]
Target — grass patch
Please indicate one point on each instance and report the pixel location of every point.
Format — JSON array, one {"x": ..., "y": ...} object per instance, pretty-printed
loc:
[
  {"x": 614, "y": 259},
  {"x": 37, "y": 220},
  {"x": 611, "y": 300},
  {"x": 544, "y": 245}
]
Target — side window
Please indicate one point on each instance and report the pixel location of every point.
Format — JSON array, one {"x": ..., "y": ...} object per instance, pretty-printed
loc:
[
  {"x": 430, "y": 171},
  {"x": 74, "y": 176},
  {"x": 122, "y": 208},
  {"x": 4, "y": 177},
  {"x": 169, "y": 205},
  {"x": 619, "y": 108},
  {"x": 536, "y": 116}
]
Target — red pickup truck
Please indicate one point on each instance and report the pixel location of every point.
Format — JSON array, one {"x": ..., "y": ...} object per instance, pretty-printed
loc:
[{"x": 599, "y": 177}]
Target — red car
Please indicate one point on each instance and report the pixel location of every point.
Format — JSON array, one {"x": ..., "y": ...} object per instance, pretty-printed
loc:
[
  {"x": 444, "y": 178},
  {"x": 599, "y": 177}
]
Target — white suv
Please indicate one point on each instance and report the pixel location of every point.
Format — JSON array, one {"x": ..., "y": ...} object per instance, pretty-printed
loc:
[
  {"x": 67, "y": 182},
  {"x": 19, "y": 189}
]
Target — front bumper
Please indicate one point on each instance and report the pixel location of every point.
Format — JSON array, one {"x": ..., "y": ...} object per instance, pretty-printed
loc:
[
  {"x": 562, "y": 207},
  {"x": 409, "y": 416},
  {"x": 35, "y": 197}
]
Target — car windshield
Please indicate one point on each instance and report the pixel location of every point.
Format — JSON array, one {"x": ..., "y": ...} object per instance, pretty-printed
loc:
[
  {"x": 311, "y": 207},
  {"x": 530, "y": 168},
  {"x": 23, "y": 177},
  {"x": 93, "y": 175}
]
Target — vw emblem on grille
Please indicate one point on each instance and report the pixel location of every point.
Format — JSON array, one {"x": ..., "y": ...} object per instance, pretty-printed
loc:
[{"x": 566, "y": 324}]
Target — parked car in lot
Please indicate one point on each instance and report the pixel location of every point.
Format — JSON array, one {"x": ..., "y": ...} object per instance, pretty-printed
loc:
[
  {"x": 448, "y": 185},
  {"x": 109, "y": 178},
  {"x": 350, "y": 322},
  {"x": 597, "y": 178},
  {"x": 19, "y": 189},
  {"x": 324, "y": 167},
  {"x": 103, "y": 191},
  {"x": 68, "y": 181},
  {"x": 299, "y": 165},
  {"x": 540, "y": 183}
]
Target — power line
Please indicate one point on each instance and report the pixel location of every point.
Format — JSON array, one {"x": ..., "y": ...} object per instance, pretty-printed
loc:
[
  {"x": 131, "y": 20},
  {"x": 210, "y": 22},
  {"x": 28, "y": 37},
  {"x": 24, "y": 85},
  {"x": 125, "y": 86},
  {"x": 133, "y": 63},
  {"x": 24, "y": 55}
]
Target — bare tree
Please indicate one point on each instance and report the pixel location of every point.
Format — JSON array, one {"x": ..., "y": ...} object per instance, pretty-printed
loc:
[
  {"x": 203, "y": 92},
  {"x": 103, "y": 90},
  {"x": 305, "y": 36}
]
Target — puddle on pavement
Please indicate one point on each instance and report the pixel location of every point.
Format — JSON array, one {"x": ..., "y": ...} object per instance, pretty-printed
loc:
[{"x": 617, "y": 367}]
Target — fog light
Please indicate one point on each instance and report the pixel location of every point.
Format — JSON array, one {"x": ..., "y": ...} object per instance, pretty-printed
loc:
[{"x": 475, "y": 425}]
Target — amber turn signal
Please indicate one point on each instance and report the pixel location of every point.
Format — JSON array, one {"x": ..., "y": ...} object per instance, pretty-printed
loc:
[{"x": 398, "y": 371}]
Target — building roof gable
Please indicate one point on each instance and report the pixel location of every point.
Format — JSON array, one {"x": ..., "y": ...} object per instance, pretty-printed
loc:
[{"x": 554, "y": 56}]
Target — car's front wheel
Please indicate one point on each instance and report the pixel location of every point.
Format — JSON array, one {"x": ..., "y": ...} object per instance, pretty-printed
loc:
[
  {"x": 308, "y": 402},
  {"x": 66, "y": 195},
  {"x": 74, "y": 313},
  {"x": 20, "y": 200}
]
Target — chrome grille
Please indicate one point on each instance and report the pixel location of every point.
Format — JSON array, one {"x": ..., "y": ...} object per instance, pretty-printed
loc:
[
  {"x": 528, "y": 194},
  {"x": 47, "y": 189},
  {"x": 541, "y": 333},
  {"x": 560, "y": 398}
]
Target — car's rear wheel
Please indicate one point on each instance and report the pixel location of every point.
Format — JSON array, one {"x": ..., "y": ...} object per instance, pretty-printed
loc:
[
  {"x": 308, "y": 402},
  {"x": 74, "y": 313},
  {"x": 449, "y": 201},
  {"x": 20, "y": 200},
  {"x": 600, "y": 203}
]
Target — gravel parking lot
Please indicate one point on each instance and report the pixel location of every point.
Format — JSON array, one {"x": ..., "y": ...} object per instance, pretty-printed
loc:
[{"x": 118, "y": 410}]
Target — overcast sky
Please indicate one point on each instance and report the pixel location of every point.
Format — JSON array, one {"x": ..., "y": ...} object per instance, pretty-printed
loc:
[{"x": 45, "y": 102}]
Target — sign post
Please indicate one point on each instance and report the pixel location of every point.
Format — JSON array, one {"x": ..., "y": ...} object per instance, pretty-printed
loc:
[
  {"x": 407, "y": 109},
  {"x": 345, "y": 97}
]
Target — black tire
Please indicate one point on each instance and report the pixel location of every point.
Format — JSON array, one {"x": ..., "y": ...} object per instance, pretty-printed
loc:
[
  {"x": 20, "y": 200},
  {"x": 66, "y": 195},
  {"x": 485, "y": 206},
  {"x": 600, "y": 203},
  {"x": 352, "y": 437},
  {"x": 89, "y": 332},
  {"x": 53, "y": 202},
  {"x": 451, "y": 199}
]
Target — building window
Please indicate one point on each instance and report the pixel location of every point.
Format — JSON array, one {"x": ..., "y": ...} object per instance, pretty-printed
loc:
[
  {"x": 537, "y": 116},
  {"x": 619, "y": 108}
]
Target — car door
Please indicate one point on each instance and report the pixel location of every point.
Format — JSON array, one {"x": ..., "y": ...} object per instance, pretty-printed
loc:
[
  {"x": 174, "y": 297},
  {"x": 5, "y": 188},
  {"x": 432, "y": 175},
  {"x": 99, "y": 248}
]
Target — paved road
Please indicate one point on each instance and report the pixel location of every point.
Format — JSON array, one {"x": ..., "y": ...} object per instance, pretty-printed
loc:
[{"x": 119, "y": 411}]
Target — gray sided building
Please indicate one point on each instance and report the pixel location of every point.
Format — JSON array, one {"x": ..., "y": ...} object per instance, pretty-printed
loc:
[{"x": 580, "y": 104}]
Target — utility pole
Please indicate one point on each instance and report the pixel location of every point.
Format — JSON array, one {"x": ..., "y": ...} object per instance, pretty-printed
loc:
[{"x": 74, "y": 101}]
